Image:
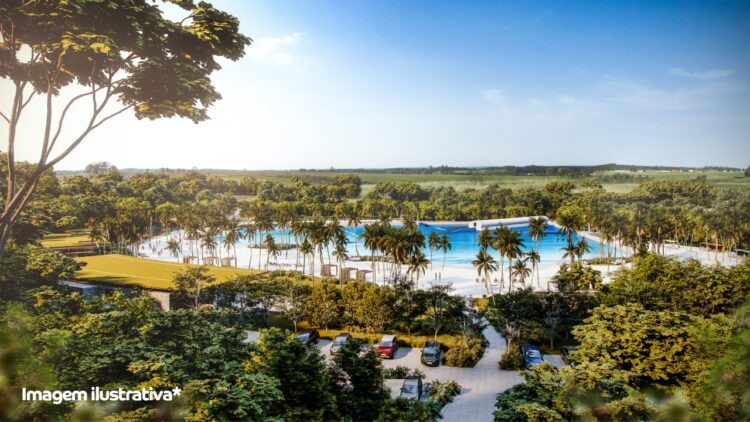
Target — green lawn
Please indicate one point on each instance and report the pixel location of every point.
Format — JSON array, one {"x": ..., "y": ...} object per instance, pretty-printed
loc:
[
  {"x": 127, "y": 270},
  {"x": 59, "y": 240}
]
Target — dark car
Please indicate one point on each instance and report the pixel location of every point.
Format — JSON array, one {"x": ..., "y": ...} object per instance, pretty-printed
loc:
[
  {"x": 531, "y": 355},
  {"x": 339, "y": 342},
  {"x": 431, "y": 354},
  {"x": 308, "y": 337},
  {"x": 565, "y": 354},
  {"x": 412, "y": 388},
  {"x": 388, "y": 346}
]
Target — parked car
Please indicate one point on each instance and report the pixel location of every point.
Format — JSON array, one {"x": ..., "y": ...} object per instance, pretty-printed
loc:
[
  {"x": 412, "y": 388},
  {"x": 431, "y": 354},
  {"x": 388, "y": 346},
  {"x": 308, "y": 337},
  {"x": 531, "y": 355},
  {"x": 339, "y": 342},
  {"x": 565, "y": 353}
]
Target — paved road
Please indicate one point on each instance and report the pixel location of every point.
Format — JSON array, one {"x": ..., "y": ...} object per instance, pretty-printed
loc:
[{"x": 480, "y": 384}]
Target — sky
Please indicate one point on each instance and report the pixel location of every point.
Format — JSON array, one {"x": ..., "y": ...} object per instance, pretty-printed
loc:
[{"x": 464, "y": 83}]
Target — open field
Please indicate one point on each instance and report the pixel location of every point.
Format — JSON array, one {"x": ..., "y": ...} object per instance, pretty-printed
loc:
[
  {"x": 60, "y": 240},
  {"x": 146, "y": 273},
  {"x": 476, "y": 180}
]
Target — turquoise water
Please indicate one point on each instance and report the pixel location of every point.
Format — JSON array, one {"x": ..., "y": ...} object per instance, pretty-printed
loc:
[{"x": 464, "y": 242}]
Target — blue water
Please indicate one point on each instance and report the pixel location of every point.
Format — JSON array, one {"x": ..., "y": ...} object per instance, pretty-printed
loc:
[{"x": 464, "y": 242}]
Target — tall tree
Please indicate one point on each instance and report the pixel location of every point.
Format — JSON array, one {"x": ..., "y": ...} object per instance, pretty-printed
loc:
[{"x": 112, "y": 51}]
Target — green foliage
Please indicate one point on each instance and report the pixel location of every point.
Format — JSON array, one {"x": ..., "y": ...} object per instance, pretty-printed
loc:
[
  {"x": 191, "y": 285},
  {"x": 657, "y": 346},
  {"x": 357, "y": 382},
  {"x": 661, "y": 283},
  {"x": 248, "y": 397},
  {"x": 31, "y": 266},
  {"x": 465, "y": 354},
  {"x": 22, "y": 367},
  {"x": 512, "y": 359},
  {"x": 301, "y": 372},
  {"x": 725, "y": 395},
  {"x": 443, "y": 392},
  {"x": 408, "y": 411},
  {"x": 402, "y": 372},
  {"x": 577, "y": 277}
]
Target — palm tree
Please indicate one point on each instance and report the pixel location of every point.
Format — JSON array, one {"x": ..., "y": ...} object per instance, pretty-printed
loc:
[
  {"x": 353, "y": 222},
  {"x": 484, "y": 238},
  {"x": 569, "y": 221},
  {"x": 570, "y": 252},
  {"x": 534, "y": 258},
  {"x": 485, "y": 263},
  {"x": 513, "y": 249},
  {"x": 232, "y": 235},
  {"x": 445, "y": 246},
  {"x": 371, "y": 236},
  {"x": 582, "y": 247},
  {"x": 341, "y": 256},
  {"x": 307, "y": 249},
  {"x": 433, "y": 243},
  {"x": 174, "y": 248},
  {"x": 251, "y": 229},
  {"x": 521, "y": 271},
  {"x": 272, "y": 249},
  {"x": 537, "y": 229},
  {"x": 208, "y": 242},
  {"x": 501, "y": 245},
  {"x": 417, "y": 263}
]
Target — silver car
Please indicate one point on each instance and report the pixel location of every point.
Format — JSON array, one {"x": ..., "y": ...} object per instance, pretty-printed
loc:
[{"x": 412, "y": 388}]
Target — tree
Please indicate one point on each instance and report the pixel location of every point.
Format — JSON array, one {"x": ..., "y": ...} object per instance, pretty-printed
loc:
[
  {"x": 192, "y": 283},
  {"x": 485, "y": 264},
  {"x": 441, "y": 307},
  {"x": 294, "y": 302},
  {"x": 301, "y": 372},
  {"x": 433, "y": 243},
  {"x": 112, "y": 51},
  {"x": 510, "y": 313},
  {"x": 324, "y": 304},
  {"x": 174, "y": 248},
  {"x": 417, "y": 264},
  {"x": 357, "y": 382},
  {"x": 521, "y": 271},
  {"x": 445, "y": 246},
  {"x": 663, "y": 353}
]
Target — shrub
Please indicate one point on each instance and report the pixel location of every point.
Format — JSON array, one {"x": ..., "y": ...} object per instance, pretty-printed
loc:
[
  {"x": 465, "y": 354},
  {"x": 402, "y": 372},
  {"x": 443, "y": 391},
  {"x": 512, "y": 359}
]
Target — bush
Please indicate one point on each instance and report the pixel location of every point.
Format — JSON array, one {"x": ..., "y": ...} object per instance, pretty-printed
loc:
[
  {"x": 512, "y": 360},
  {"x": 443, "y": 391},
  {"x": 402, "y": 372},
  {"x": 465, "y": 354}
]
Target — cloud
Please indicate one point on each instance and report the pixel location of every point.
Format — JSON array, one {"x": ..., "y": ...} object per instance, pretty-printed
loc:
[
  {"x": 273, "y": 49},
  {"x": 494, "y": 96},
  {"x": 559, "y": 108},
  {"x": 643, "y": 97},
  {"x": 706, "y": 75}
]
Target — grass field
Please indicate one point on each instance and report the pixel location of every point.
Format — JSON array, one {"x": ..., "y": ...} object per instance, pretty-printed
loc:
[
  {"x": 471, "y": 181},
  {"x": 146, "y": 273},
  {"x": 59, "y": 240}
]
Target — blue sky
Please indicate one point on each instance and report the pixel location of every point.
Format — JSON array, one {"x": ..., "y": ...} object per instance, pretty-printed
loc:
[{"x": 392, "y": 83}]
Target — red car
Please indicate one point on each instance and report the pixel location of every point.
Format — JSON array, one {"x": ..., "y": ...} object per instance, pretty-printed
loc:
[{"x": 388, "y": 346}]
